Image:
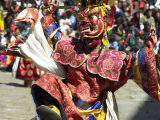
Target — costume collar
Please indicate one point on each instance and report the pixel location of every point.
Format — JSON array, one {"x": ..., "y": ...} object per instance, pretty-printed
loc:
[{"x": 107, "y": 64}]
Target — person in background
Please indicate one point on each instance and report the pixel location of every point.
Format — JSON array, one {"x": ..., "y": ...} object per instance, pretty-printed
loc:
[
  {"x": 18, "y": 2},
  {"x": 125, "y": 21},
  {"x": 147, "y": 5},
  {"x": 136, "y": 18},
  {"x": 157, "y": 24},
  {"x": 112, "y": 42},
  {"x": 34, "y": 5},
  {"x": 129, "y": 43},
  {"x": 11, "y": 36},
  {"x": 155, "y": 10},
  {"x": 14, "y": 9},
  {"x": 65, "y": 25},
  {"x": 132, "y": 27},
  {"x": 141, "y": 8},
  {"x": 71, "y": 18},
  {"x": 139, "y": 42},
  {"x": 4, "y": 41},
  {"x": 146, "y": 29},
  {"x": 148, "y": 17},
  {"x": 38, "y": 3},
  {"x": 118, "y": 29},
  {"x": 136, "y": 5},
  {"x": 27, "y": 4},
  {"x": 139, "y": 37},
  {"x": 118, "y": 11},
  {"x": 128, "y": 8}
]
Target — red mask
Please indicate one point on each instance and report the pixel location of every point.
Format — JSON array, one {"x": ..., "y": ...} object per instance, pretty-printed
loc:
[
  {"x": 91, "y": 25},
  {"x": 94, "y": 44}
]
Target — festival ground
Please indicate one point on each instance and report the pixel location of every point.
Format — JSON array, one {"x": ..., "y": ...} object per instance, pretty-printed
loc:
[{"x": 16, "y": 102}]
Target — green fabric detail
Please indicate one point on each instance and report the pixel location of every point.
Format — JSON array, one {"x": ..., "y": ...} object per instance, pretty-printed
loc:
[
  {"x": 158, "y": 75},
  {"x": 131, "y": 42}
]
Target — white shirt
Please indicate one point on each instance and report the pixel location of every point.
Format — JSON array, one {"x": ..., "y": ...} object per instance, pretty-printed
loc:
[
  {"x": 62, "y": 26},
  {"x": 4, "y": 41},
  {"x": 12, "y": 38},
  {"x": 27, "y": 5}
]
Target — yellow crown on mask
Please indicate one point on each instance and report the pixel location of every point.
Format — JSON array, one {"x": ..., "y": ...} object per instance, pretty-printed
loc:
[{"x": 95, "y": 3}]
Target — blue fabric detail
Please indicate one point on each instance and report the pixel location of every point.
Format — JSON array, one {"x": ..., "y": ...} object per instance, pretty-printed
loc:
[
  {"x": 83, "y": 105},
  {"x": 4, "y": 57},
  {"x": 142, "y": 68},
  {"x": 57, "y": 33},
  {"x": 96, "y": 106},
  {"x": 91, "y": 117},
  {"x": 49, "y": 30},
  {"x": 75, "y": 100},
  {"x": 134, "y": 57}
]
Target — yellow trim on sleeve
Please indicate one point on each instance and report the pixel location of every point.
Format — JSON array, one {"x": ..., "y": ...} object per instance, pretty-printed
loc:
[
  {"x": 55, "y": 109},
  {"x": 136, "y": 73},
  {"x": 158, "y": 75},
  {"x": 97, "y": 113}
]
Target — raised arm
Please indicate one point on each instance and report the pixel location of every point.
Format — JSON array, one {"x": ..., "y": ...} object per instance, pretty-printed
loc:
[{"x": 144, "y": 69}]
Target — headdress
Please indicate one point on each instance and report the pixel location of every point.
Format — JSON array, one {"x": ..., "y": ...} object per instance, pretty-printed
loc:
[{"x": 106, "y": 7}]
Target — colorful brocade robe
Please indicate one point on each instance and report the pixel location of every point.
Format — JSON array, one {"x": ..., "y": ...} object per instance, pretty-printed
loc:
[
  {"x": 26, "y": 70},
  {"x": 90, "y": 76}
]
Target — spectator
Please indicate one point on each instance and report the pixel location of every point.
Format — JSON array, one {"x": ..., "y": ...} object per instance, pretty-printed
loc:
[
  {"x": 38, "y": 3},
  {"x": 128, "y": 8},
  {"x": 118, "y": 11},
  {"x": 18, "y": 2},
  {"x": 136, "y": 18},
  {"x": 141, "y": 8},
  {"x": 8, "y": 20},
  {"x": 139, "y": 42},
  {"x": 146, "y": 29},
  {"x": 64, "y": 25},
  {"x": 138, "y": 37},
  {"x": 132, "y": 27},
  {"x": 118, "y": 29},
  {"x": 34, "y": 5},
  {"x": 157, "y": 24},
  {"x": 136, "y": 5},
  {"x": 4, "y": 41},
  {"x": 125, "y": 21},
  {"x": 147, "y": 5},
  {"x": 155, "y": 10},
  {"x": 129, "y": 43},
  {"x": 11, "y": 36},
  {"x": 27, "y": 4},
  {"x": 14, "y": 9},
  {"x": 71, "y": 18},
  {"x": 148, "y": 18},
  {"x": 113, "y": 43}
]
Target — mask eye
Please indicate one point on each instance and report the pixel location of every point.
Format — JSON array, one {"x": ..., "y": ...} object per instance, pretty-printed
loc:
[{"x": 93, "y": 17}]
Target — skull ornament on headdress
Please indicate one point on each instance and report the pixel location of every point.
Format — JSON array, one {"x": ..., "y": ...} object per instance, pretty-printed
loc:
[
  {"x": 25, "y": 23},
  {"x": 95, "y": 18}
]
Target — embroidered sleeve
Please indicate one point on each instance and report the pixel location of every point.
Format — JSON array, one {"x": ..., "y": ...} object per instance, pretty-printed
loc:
[{"x": 145, "y": 72}]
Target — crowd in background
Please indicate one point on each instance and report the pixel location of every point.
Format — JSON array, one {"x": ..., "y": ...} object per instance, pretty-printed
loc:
[{"x": 134, "y": 19}]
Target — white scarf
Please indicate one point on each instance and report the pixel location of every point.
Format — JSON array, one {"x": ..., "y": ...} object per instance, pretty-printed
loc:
[{"x": 38, "y": 50}]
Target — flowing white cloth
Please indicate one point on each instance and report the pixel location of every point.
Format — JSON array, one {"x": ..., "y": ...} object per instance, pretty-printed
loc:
[
  {"x": 38, "y": 50},
  {"x": 15, "y": 66},
  {"x": 112, "y": 108}
]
